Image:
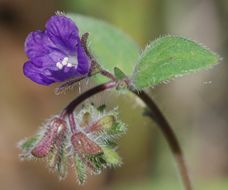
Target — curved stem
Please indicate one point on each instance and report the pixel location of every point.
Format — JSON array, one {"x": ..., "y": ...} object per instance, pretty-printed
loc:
[
  {"x": 100, "y": 88},
  {"x": 156, "y": 115},
  {"x": 171, "y": 138}
]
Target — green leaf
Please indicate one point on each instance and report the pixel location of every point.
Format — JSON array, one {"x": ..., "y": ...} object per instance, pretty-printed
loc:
[
  {"x": 170, "y": 57},
  {"x": 111, "y": 47}
]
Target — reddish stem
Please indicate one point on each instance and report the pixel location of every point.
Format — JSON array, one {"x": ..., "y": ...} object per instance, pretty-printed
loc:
[
  {"x": 72, "y": 122},
  {"x": 100, "y": 88},
  {"x": 170, "y": 136}
]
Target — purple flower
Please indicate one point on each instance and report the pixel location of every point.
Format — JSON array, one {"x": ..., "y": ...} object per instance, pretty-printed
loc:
[{"x": 55, "y": 54}]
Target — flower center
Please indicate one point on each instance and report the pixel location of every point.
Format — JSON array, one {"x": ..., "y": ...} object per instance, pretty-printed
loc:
[{"x": 68, "y": 62}]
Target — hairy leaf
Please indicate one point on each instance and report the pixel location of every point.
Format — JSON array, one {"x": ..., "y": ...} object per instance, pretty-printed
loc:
[{"x": 170, "y": 57}]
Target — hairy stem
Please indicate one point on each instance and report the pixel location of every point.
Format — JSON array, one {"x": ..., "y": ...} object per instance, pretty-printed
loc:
[
  {"x": 156, "y": 115},
  {"x": 100, "y": 88},
  {"x": 171, "y": 138},
  {"x": 107, "y": 74},
  {"x": 72, "y": 123}
]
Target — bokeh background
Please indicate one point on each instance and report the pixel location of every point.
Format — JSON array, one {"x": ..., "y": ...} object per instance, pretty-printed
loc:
[{"x": 195, "y": 105}]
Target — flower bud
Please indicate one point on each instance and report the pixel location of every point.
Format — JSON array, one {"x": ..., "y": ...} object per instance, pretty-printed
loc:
[
  {"x": 83, "y": 145},
  {"x": 45, "y": 144}
]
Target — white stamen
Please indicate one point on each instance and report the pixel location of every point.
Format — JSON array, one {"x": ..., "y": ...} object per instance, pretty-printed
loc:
[
  {"x": 69, "y": 65},
  {"x": 65, "y": 61},
  {"x": 59, "y": 65}
]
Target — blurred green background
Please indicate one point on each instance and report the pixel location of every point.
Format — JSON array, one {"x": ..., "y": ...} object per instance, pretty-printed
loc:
[{"x": 195, "y": 105}]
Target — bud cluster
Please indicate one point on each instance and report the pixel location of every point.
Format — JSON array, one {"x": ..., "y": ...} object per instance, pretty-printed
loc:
[{"x": 91, "y": 146}]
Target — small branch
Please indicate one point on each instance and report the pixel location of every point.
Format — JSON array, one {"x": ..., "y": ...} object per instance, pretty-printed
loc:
[
  {"x": 107, "y": 74},
  {"x": 167, "y": 131}
]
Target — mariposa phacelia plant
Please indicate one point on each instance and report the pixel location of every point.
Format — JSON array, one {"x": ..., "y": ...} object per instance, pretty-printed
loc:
[{"x": 88, "y": 138}]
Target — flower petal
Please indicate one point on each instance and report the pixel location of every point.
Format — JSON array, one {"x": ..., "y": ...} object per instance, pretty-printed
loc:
[
  {"x": 63, "y": 31},
  {"x": 35, "y": 74},
  {"x": 41, "y": 50},
  {"x": 64, "y": 74},
  {"x": 49, "y": 60},
  {"x": 37, "y": 44}
]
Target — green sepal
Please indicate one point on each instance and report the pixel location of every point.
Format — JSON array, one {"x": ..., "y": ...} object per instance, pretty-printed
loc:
[
  {"x": 119, "y": 74},
  {"x": 118, "y": 128},
  {"x": 111, "y": 156},
  {"x": 80, "y": 169},
  {"x": 28, "y": 143},
  {"x": 98, "y": 162}
]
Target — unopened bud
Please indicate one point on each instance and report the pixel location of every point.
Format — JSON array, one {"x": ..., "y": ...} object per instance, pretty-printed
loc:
[
  {"x": 45, "y": 144},
  {"x": 83, "y": 145}
]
